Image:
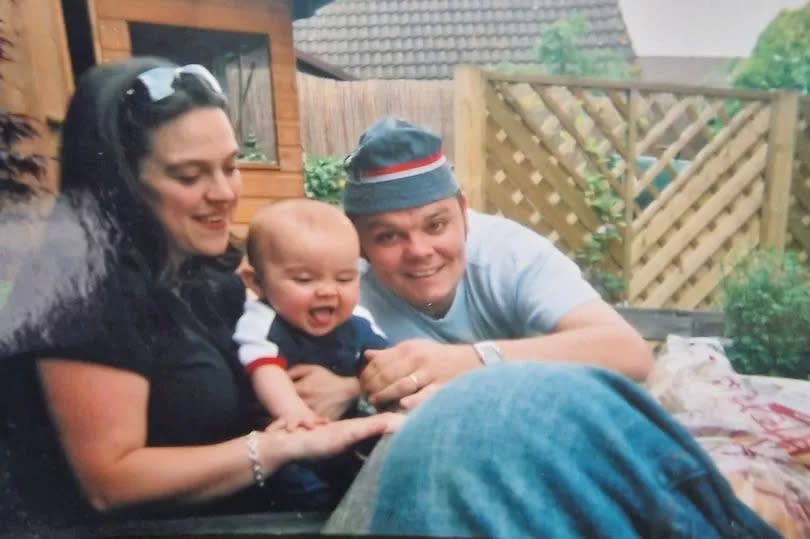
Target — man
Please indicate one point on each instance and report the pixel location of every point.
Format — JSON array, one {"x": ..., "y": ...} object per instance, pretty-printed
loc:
[
  {"x": 456, "y": 290},
  {"x": 510, "y": 451}
]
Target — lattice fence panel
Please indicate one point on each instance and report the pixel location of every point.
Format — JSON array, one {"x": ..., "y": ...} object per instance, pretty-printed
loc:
[
  {"x": 704, "y": 218},
  {"x": 542, "y": 143},
  {"x": 799, "y": 215},
  {"x": 695, "y": 165}
]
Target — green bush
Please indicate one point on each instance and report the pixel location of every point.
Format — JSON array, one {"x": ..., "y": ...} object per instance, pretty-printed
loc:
[
  {"x": 324, "y": 178},
  {"x": 560, "y": 51},
  {"x": 781, "y": 57},
  {"x": 766, "y": 299}
]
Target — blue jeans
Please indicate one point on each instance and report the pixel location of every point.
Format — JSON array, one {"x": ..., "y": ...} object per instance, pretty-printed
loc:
[{"x": 544, "y": 450}]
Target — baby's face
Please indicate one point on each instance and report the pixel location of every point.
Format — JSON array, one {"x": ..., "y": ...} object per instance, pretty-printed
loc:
[{"x": 312, "y": 281}]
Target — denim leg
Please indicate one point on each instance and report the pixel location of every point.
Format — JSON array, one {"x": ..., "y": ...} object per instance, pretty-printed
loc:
[{"x": 545, "y": 450}]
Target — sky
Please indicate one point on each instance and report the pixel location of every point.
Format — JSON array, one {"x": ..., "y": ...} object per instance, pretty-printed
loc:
[{"x": 699, "y": 27}]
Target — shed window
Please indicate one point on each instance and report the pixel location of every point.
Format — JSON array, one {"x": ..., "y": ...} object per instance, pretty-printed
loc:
[{"x": 241, "y": 63}]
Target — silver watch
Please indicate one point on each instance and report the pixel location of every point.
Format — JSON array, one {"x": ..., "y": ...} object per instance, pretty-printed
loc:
[{"x": 488, "y": 352}]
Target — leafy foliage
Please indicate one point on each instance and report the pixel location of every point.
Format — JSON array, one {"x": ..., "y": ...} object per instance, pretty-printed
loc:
[
  {"x": 594, "y": 255},
  {"x": 766, "y": 299},
  {"x": 560, "y": 51},
  {"x": 781, "y": 57},
  {"x": 13, "y": 129},
  {"x": 250, "y": 150},
  {"x": 324, "y": 178}
]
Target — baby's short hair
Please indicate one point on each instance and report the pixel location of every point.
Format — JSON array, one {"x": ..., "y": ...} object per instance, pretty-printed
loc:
[{"x": 270, "y": 221}]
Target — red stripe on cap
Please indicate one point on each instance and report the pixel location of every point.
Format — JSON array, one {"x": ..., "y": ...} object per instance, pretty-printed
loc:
[
  {"x": 251, "y": 367},
  {"x": 400, "y": 167}
]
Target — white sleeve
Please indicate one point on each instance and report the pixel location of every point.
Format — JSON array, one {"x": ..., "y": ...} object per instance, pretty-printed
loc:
[{"x": 251, "y": 333}]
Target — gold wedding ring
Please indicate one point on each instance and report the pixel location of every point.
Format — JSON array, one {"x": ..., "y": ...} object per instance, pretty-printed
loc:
[{"x": 415, "y": 380}]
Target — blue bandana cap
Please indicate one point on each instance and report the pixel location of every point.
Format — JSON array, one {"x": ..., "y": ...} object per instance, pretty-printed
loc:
[{"x": 396, "y": 166}]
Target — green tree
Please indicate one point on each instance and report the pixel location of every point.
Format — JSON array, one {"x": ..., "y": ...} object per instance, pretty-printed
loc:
[
  {"x": 561, "y": 51},
  {"x": 781, "y": 57}
]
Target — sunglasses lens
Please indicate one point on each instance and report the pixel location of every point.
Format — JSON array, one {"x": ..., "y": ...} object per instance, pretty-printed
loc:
[
  {"x": 159, "y": 81},
  {"x": 202, "y": 73}
]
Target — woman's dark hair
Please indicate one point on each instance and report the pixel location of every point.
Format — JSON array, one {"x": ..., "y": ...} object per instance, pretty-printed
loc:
[{"x": 106, "y": 135}]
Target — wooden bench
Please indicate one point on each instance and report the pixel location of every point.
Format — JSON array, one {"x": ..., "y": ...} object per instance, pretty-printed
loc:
[
  {"x": 656, "y": 324},
  {"x": 653, "y": 324}
]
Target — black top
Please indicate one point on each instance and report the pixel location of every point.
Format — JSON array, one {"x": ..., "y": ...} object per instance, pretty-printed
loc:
[
  {"x": 340, "y": 351},
  {"x": 178, "y": 338},
  {"x": 266, "y": 336}
]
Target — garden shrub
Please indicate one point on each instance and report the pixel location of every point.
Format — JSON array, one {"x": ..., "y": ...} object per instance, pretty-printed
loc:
[
  {"x": 766, "y": 299},
  {"x": 324, "y": 178},
  {"x": 781, "y": 57}
]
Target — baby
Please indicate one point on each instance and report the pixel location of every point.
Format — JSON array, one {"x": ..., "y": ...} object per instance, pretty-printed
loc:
[{"x": 303, "y": 256}]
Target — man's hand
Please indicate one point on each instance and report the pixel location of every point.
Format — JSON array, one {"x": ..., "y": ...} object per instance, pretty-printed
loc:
[
  {"x": 326, "y": 393},
  {"x": 412, "y": 365}
]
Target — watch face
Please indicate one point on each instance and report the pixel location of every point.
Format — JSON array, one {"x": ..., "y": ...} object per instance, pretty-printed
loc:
[{"x": 489, "y": 352}]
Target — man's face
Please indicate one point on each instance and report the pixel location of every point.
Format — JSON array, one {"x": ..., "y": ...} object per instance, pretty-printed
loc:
[{"x": 418, "y": 253}]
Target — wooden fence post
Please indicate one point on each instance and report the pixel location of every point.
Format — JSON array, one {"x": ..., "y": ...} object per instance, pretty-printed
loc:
[
  {"x": 470, "y": 123},
  {"x": 779, "y": 169},
  {"x": 629, "y": 191}
]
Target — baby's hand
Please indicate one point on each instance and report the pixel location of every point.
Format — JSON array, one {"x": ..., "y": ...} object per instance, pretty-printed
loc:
[{"x": 297, "y": 417}]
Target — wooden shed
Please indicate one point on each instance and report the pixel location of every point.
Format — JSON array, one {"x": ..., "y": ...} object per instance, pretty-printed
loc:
[{"x": 247, "y": 44}]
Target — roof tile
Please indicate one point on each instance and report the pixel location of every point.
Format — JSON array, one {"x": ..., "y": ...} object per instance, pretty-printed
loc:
[{"x": 426, "y": 38}]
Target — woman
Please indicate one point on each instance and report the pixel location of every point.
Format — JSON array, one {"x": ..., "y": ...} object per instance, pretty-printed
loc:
[{"x": 140, "y": 378}]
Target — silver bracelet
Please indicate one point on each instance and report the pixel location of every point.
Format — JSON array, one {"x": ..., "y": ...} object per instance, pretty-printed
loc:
[{"x": 252, "y": 442}]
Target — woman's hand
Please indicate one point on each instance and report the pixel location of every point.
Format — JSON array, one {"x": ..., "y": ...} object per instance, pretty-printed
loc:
[
  {"x": 326, "y": 393},
  {"x": 326, "y": 440},
  {"x": 412, "y": 366},
  {"x": 298, "y": 416}
]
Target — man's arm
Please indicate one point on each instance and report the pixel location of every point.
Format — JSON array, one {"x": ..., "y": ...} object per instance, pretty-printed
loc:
[{"x": 593, "y": 333}]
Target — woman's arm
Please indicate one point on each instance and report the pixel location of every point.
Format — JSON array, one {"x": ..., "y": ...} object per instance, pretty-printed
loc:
[{"x": 100, "y": 414}]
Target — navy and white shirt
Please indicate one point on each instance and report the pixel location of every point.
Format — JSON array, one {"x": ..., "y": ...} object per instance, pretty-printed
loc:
[{"x": 265, "y": 338}]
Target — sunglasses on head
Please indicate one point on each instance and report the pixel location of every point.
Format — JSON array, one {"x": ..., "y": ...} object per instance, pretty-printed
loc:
[{"x": 159, "y": 81}]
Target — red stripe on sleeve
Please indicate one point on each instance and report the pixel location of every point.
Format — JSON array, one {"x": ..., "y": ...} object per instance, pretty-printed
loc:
[{"x": 262, "y": 361}]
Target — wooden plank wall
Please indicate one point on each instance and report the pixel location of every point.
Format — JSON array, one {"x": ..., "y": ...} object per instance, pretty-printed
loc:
[
  {"x": 727, "y": 156},
  {"x": 260, "y": 183},
  {"x": 38, "y": 80},
  {"x": 335, "y": 113}
]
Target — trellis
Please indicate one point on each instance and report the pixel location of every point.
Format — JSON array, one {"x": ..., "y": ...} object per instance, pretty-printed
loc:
[{"x": 704, "y": 174}]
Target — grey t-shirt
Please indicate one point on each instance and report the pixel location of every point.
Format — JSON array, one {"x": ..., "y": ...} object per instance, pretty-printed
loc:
[{"x": 516, "y": 284}]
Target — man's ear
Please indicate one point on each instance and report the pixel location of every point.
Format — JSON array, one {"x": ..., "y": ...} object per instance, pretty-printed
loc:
[
  {"x": 462, "y": 203},
  {"x": 250, "y": 278}
]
